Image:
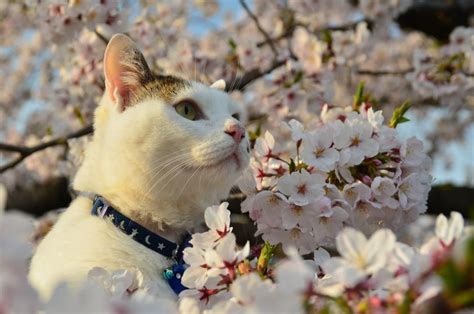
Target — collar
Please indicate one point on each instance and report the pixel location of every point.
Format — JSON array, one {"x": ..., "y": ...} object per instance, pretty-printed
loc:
[
  {"x": 151, "y": 240},
  {"x": 137, "y": 232}
]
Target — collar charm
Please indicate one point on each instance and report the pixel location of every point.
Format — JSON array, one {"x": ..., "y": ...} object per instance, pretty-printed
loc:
[{"x": 151, "y": 240}]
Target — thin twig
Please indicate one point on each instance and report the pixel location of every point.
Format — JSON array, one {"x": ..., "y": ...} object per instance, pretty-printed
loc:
[
  {"x": 268, "y": 39},
  {"x": 24, "y": 151}
]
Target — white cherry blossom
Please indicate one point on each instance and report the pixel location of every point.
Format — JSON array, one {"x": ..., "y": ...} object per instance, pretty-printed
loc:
[
  {"x": 202, "y": 268},
  {"x": 448, "y": 231},
  {"x": 218, "y": 220},
  {"x": 317, "y": 150},
  {"x": 356, "y": 192},
  {"x": 383, "y": 189},
  {"x": 360, "y": 257},
  {"x": 356, "y": 134},
  {"x": 301, "y": 187},
  {"x": 264, "y": 147}
]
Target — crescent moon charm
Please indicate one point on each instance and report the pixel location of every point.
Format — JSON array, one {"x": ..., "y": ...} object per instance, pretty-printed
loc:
[{"x": 147, "y": 241}]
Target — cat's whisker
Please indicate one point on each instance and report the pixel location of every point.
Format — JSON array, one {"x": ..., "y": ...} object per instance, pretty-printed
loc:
[
  {"x": 189, "y": 179},
  {"x": 237, "y": 81},
  {"x": 207, "y": 82},
  {"x": 176, "y": 171},
  {"x": 168, "y": 157},
  {"x": 164, "y": 166},
  {"x": 195, "y": 69},
  {"x": 169, "y": 172}
]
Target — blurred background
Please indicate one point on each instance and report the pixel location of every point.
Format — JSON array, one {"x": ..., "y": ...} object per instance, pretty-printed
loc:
[{"x": 51, "y": 54}]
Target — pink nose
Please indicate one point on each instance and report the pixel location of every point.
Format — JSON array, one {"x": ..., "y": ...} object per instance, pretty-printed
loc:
[{"x": 236, "y": 131}]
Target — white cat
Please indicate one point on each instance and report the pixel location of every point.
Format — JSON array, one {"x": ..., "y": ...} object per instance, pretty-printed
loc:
[{"x": 163, "y": 150}]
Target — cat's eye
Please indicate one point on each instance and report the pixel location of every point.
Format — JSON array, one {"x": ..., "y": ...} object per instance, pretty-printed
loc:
[
  {"x": 236, "y": 116},
  {"x": 187, "y": 109}
]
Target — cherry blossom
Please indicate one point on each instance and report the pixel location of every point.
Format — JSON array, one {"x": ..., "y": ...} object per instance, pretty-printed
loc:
[
  {"x": 218, "y": 220},
  {"x": 448, "y": 231},
  {"x": 301, "y": 187},
  {"x": 356, "y": 136},
  {"x": 360, "y": 257},
  {"x": 317, "y": 150}
]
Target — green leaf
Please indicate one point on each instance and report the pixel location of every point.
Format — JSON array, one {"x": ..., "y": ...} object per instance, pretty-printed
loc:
[
  {"x": 253, "y": 135},
  {"x": 232, "y": 44},
  {"x": 298, "y": 77},
  {"x": 292, "y": 165},
  {"x": 398, "y": 115},
  {"x": 452, "y": 278},
  {"x": 358, "y": 96},
  {"x": 78, "y": 114},
  {"x": 265, "y": 257},
  {"x": 404, "y": 307}
]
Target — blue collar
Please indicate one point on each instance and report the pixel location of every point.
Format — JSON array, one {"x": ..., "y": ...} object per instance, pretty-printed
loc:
[{"x": 147, "y": 238}]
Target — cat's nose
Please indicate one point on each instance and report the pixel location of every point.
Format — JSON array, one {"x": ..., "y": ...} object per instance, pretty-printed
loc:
[{"x": 236, "y": 131}]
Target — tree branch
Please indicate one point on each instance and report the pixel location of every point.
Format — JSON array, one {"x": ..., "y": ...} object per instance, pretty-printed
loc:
[
  {"x": 384, "y": 72},
  {"x": 248, "y": 77},
  {"x": 289, "y": 32},
  {"x": 24, "y": 151},
  {"x": 268, "y": 39},
  {"x": 102, "y": 37}
]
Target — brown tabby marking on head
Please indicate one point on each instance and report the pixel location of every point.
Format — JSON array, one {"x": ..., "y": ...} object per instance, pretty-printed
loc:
[{"x": 164, "y": 87}]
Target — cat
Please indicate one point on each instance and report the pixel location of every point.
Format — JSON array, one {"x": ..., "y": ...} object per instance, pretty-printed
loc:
[{"x": 164, "y": 148}]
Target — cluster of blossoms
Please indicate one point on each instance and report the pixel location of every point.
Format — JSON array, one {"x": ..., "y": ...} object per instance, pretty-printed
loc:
[
  {"x": 376, "y": 274},
  {"x": 63, "y": 20},
  {"x": 350, "y": 170},
  {"x": 447, "y": 73},
  {"x": 213, "y": 259}
]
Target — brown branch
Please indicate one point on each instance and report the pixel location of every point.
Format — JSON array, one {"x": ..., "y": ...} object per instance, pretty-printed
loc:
[
  {"x": 384, "y": 72},
  {"x": 13, "y": 148},
  {"x": 268, "y": 39},
  {"x": 343, "y": 27},
  {"x": 241, "y": 82},
  {"x": 102, "y": 37},
  {"x": 24, "y": 151}
]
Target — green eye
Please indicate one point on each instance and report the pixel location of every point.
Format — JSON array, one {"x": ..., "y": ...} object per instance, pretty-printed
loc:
[{"x": 187, "y": 109}]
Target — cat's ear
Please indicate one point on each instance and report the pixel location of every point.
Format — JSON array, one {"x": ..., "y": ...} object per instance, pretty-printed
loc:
[
  {"x": 219, "y": 84},
  {"x": 125, "y": 70}
]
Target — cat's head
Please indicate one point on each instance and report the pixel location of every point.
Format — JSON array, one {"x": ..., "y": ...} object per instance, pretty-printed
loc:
[{"x": 163, "y": 145}]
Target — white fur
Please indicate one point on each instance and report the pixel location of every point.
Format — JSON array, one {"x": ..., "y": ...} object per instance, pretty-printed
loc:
[{"x": 128, "y": 163}]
